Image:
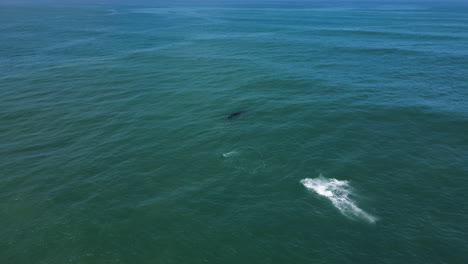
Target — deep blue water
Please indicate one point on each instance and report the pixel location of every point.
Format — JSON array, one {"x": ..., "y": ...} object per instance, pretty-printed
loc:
[{"x": 351, "y": 145}]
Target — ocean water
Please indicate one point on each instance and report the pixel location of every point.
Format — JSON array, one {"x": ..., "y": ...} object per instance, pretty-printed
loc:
[{"x": 351, "y": 147}]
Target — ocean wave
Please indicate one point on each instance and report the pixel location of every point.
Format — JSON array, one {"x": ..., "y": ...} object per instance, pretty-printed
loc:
[{"x": 338, "y": 193}]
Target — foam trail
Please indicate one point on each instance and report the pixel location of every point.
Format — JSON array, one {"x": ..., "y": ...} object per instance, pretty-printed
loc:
[
  {"x": 338, "y": 193},
  {"x": 230, "y": 154}
]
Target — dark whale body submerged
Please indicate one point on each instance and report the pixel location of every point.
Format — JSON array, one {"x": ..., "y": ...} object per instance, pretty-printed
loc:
[{"x": 235, "y": 115}]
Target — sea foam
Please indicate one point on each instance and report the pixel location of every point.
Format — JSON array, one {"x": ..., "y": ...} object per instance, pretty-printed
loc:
[
  {"x": 230, "y": 153},
  {"x": 338, "y": 193}
]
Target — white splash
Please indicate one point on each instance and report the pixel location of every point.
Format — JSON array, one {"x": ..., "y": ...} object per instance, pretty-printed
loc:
[
  {"x": 338, "y": 193},
  {"x": 230, "y": 154}
]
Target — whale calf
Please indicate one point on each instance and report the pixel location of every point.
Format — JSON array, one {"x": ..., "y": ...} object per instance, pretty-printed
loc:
[{"x": 235, "y": 115}]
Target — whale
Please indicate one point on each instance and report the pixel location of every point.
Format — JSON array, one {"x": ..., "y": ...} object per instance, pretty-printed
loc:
[{"x": 235, "y": 115}]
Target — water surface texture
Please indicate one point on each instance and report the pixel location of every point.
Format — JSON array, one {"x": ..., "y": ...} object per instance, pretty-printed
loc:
[{"x": 350, "y": 146}]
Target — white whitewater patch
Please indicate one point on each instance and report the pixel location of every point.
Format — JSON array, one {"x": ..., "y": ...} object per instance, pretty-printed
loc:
[
  {"x": 338, "y": 193},
  {"x": 230, "y": 154}
]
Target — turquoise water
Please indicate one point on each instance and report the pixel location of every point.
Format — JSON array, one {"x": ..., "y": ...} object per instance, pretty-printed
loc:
[{"x": 115, "y": 145}]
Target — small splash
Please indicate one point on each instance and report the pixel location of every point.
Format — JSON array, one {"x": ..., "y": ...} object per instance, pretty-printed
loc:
[
  {"x": 230, "y": 154},
  {"x": 338, "y": 193},
  {"x": 249, "y": 160}
]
